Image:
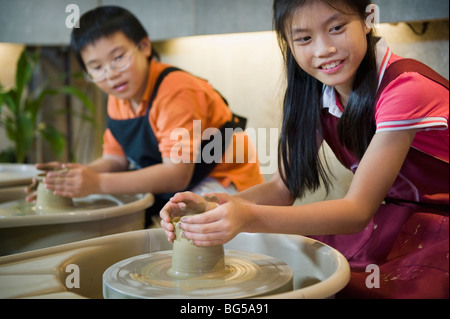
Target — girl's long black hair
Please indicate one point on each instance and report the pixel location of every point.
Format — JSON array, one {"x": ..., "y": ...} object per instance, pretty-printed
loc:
[{"x": 299, "y": 162}]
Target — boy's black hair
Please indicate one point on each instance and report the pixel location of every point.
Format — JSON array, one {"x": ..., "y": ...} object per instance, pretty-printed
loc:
[{"x": 103, "y": 22}]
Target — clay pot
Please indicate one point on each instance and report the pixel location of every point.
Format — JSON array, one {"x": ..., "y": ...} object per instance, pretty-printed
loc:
[
  {"x": 190, "y": 261},
  {"x": 47, "y": 202}
]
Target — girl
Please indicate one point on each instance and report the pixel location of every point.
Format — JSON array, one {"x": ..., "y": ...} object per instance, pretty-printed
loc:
[
  {"x": 147, "y": 102},
  {"x": 394, "y": 136}
]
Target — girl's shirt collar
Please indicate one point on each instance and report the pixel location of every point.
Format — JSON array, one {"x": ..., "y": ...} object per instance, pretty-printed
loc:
[{"x": 383, "y": 54}]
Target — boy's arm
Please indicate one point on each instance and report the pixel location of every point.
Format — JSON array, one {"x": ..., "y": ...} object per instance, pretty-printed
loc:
[
  {"x": 157, "y": 179},
  {"x": 109, "y": 163}
]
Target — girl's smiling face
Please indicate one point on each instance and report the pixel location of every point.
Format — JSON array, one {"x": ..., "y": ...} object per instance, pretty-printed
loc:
[
  {"x": 328, "y": 44},
  {"x": 127, "y": 84}
]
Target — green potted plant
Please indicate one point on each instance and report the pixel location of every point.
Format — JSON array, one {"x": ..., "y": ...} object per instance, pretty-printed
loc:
[{"x": 20, "y": 110}]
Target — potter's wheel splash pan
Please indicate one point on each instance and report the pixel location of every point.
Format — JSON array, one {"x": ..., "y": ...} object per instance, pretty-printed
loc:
[
  {"x": 87, "y": 209},
  {"x": 247, "y": 275}
]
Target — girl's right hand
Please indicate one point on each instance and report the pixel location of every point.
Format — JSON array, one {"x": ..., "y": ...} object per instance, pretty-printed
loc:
[{"x": 183, "y": 204}]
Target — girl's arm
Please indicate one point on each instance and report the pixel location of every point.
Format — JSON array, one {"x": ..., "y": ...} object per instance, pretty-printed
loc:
[
  {"x": 273, "y": 192},
  {"x": 375, "y": 175}
]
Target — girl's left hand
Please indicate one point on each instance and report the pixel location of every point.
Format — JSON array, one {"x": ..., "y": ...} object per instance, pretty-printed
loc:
[
  {"x": 217, "y": 226},
  {"x": 78, "y": 181}
]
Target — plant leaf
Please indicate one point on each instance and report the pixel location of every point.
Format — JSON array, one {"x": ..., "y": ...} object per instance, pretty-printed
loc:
[
  {"x": 55, "y": 139},
  {"x": 33, "y": 106},
  {"x": 25, "y": 67},
  {"x": 23, "y": 136},
  {"x": 71, "y": 90},
  {"x": 8, "y": 155},
  {"x": 21, "y": 122},
  {"x": 9, "y": 99}
]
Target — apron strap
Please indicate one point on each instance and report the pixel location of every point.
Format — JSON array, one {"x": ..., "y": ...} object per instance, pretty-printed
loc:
[
  {"x": 409, "y": 65},
  {"x": 160, "y": 79},
  {"x": 203, "y": 169}
]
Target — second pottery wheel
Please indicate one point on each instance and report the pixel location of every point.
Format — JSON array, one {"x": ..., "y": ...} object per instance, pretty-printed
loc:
[{"x": 51, "y": 221}]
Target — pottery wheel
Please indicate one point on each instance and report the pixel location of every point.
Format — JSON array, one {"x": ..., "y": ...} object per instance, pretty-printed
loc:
[{"x": 246, "y": 275}]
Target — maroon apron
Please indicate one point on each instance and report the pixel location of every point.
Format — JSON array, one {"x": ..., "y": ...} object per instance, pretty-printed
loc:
[{"x": 408, "y": 236}]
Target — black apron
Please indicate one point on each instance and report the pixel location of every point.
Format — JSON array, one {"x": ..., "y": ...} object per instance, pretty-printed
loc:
[{"x": 140, "y": 145}]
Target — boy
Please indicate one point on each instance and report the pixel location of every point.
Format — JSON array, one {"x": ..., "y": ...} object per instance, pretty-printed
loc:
[{"x": 148, "y": 103}]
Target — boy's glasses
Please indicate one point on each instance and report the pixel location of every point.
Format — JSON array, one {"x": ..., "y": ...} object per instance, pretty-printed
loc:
[{"x": 119, "y": 64}]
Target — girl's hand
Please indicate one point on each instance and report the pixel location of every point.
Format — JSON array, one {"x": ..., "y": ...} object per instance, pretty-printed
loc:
[
  {"x": 77, "y": 181},
  {"x": 218, "y": 226},
  {"x": 183, "y": 204}
]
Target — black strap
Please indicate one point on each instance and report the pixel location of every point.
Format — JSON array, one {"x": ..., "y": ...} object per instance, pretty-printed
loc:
[
  {"x": 237, "y": 120},
  {"x": 409, "y": 65},
  {"x": 203, "y": 169},
  {"x": 160, "y": 79}
]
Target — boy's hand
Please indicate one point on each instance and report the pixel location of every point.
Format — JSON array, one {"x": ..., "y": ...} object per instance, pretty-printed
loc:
[
  {"x": 73, "y": 181},
  {"x": 52, "y": 166},
  {"x": 30, "y": 190}
]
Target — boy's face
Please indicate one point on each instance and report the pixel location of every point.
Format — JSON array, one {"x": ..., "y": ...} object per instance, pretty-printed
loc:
[{"x": 129, "y": 83}]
